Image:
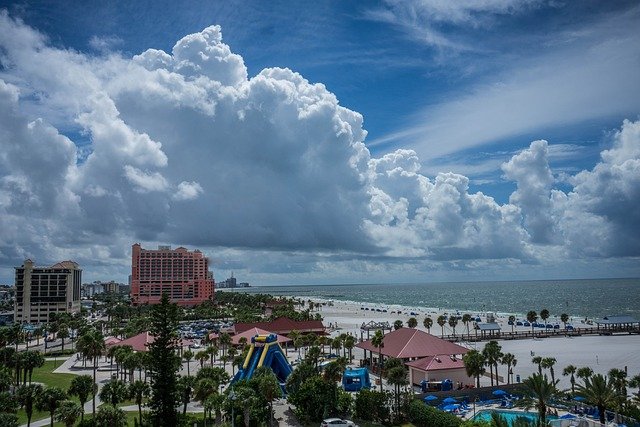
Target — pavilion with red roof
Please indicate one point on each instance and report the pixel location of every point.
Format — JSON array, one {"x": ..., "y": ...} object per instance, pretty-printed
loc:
[
  {"x": 141, "y": 342},
  {"x": 284, "y": 326},
  {"x": 423, "y": 353},
  {"x": 250, "y": 333}
]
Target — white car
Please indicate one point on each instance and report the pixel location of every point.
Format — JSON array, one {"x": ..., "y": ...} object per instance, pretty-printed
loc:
[{"x": 336, "y": 422}]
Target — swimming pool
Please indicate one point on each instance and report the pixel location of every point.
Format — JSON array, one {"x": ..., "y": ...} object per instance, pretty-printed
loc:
[{"x": 510, "y": 416}]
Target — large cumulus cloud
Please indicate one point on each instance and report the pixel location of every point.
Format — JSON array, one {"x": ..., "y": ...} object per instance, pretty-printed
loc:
[{"x": 186, "y": 148}]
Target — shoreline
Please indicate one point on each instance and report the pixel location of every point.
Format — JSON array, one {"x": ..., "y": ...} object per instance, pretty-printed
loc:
[{"x": 601, "y": 353}]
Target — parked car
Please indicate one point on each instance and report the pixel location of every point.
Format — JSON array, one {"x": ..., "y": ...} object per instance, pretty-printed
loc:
[{"x": 335, "y": 422}]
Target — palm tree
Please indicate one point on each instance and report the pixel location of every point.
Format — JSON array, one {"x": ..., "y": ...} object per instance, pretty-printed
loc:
[
  {"x": 397, "y": 324},
  {"x": 185, "y": 390},
  {"x": 111, "y": 416},
  {"x": 27, "y": 397},
  {"x": 91, "y": 345},
  {"x": 201, "y": 357},
  {"x": 412, "y": 322},
  {"x": 544, "y": 315},
  {"x": 538, "y": 393},
  {"x": 427, "y": 323},
  {"x": 204, "y": 388},
  {"x": 114, "y": 392},
  {"x": 599, "y": 392},
  {"x": 294, "y": 335},
  {"x": 397, "y": 376},
  {"x": 441, "y": 320},
  {"x": 512, "y": 321},
  {"x": 492, "y": 354},
  {"x": 378, "y": 342},
  {"x": 584, "y": 373},
  {"x": 466, "y": 319},
  {"x": 213, "y": 352},
  {"x": 532, "y": 316},
  {"x": 31, "y": 360},
  {"x": 268, "y": 388},
  {"x": 225, "y": 341},
  {"x": 474, "y": 363},
  {"x": 547, "y": 363},
  {"x": 68, "y": 412},
  {"x": 349, "y": 343},
  {"x": 82, "y": 387},
  {"x": 564, "y": 318},
  {"x": 137, "y": 391},
  {"x": 510, "y": 360},
  {"x": 188, "y": 356},
  {"x": 63, "y": 333},
  {"x": 50, "y": 399},
  {"x": 453, "y": 322},
  {"x": 571, "y": 370},
  {"x": 635, "y": 383},
  {"x": 537, "y": 360}
]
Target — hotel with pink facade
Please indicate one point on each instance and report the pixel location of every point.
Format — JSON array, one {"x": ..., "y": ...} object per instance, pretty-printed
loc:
[{"x": 182, "y": 274}]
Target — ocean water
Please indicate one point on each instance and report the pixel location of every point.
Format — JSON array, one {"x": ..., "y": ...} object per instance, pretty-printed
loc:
[{"x": 594, "y": 298}]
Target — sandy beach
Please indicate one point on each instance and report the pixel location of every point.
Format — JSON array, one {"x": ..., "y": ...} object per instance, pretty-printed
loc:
[{"x": 601, "y": 353}]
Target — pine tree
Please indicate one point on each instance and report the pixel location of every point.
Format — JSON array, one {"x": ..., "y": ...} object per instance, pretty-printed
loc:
[{"x": 164, "y": 363}]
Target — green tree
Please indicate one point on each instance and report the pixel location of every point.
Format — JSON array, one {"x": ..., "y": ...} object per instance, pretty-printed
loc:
[
  {"x": 544, "y": 315},
  {"x": 185, "y": 390},
  {"x": 532, "y": 317},
  {"x": 201, "y": 357},
  {"x": 187, "y": 356},
  {"x": 548, "y": 363},
  {"x": 27, "y": 397},
  {"x": 378, "y": 342},
  {"x": 268, "y": 388},
  {"x": 598, "y": 391},
  {"x": 453, "y": 322},
  {"x": 427, "y": 323},
  {"x": 372, "y": 405},
  {"x": 396, "y": 375},
  {"x": 164, "y": 362},
  {"x": 474, "y": 363},
  {"x": 68, "y": 412},
  {"x": 82, "y": 386},
  {"x": 422, "y": 415},
  {"x": 441, "y": 320},
  {"x": 537, "y": 360},
  {"x": 510, "y": 360},
  {"x": 539, "y": 391},
  {"x": 114, "y": 392},
  {"x": 570, "y": 370},
  {"x": 138, "y": 391},
  {"x": 205, "y": 388},
  {"x": 584, "y": 373},
  {"x": 466, "y": 319},
  {"x": 225, "y": 341},
  {"x": 564, "y": 318},
  {"x": 492, "y": 353},
  {"x": 49, "y": 400},
  {"x": 91, "y": 345},
  {"x": 8, "y": 420},
  {"x": 63, "y": 333},
  {"x": 349, "y": 343},
  {"x": 512, "y": 321},
  {"x": 30, "y": 361},
  {"x": 412, "y": 322},
  {"x": 110, "y": 416}
]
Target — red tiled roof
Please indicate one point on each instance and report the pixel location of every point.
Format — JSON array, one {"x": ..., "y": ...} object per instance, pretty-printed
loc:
[
  {"x": 405, "y": 343},
  {"x": 436, "y": 363},
  {"x": 249, "y": 333},
  {"x": 141, "y": 342},
  {"x": 283, "y": 326},
  {"x": 213, "y": 336},
  {"x": 111, "y": 341}
]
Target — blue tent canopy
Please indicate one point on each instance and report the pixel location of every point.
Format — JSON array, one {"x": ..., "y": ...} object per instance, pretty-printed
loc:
[
  {"x": 430, "y": 398},
  {"x": 499, "y": 392},
  {"x": 449, "y": 400}
]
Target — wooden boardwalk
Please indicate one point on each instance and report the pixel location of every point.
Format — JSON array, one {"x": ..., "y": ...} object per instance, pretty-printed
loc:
[{"x": 540, "y": 333}]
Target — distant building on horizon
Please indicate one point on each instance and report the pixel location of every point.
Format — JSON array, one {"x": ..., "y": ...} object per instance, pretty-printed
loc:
[
  {"x": 91, "y": 289},
  {"x": 40, "y": 291},
  {"x": 231, "y": 282},
  {"x": 183, "y": 275}
]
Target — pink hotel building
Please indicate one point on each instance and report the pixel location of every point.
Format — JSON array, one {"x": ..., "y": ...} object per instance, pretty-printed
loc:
[{"x": 183, "y": 275}]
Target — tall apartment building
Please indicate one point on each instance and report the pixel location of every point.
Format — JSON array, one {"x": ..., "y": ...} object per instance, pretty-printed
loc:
[
  {"x": 41, "y": 291},
  {"x": 183, "y": 275}
]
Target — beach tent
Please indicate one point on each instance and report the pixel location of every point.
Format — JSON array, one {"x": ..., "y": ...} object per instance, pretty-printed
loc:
[
  {"x": 449, "y": 400},
  {"x": 430, "y": 398},
  {"x": 356, "y": 379}
]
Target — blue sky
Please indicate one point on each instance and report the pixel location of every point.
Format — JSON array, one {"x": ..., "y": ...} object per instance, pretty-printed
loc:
[{"x": 465, "y": 86}]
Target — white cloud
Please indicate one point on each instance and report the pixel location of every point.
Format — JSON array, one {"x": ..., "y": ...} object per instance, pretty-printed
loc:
[{"x": 187, "y": 149}]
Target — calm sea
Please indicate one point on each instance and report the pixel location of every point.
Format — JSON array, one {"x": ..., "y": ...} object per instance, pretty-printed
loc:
[{"x": 594, "y": 298}]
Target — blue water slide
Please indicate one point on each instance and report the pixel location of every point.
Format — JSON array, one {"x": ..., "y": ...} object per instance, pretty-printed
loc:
[{"x": 253, "y": 362}]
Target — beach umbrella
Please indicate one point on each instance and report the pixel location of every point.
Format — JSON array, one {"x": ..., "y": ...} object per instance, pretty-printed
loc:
[
  {"x": 579, "y": 399},
  {"x": 567, "y": 417},
  {"x": 430, "y": 398},
  {"x": 499, "y": 392},
  {"x": 449, "y": 408},
  {"x": 449, "y": 400}
]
